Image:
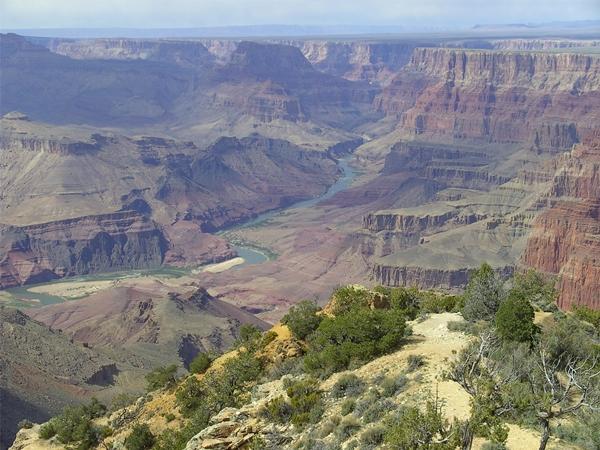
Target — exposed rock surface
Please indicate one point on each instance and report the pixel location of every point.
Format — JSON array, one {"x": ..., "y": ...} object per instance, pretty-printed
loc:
[
  {"x": 495, "y": 96},
  {"x": 565, "y": 239},
  {"x": 92, "y": 244}
]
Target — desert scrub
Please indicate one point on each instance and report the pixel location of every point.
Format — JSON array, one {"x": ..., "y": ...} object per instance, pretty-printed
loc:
[
  {"x": 329, "y": 425},
  {"x": 277, "y": 410},
  {"x": 377, "y": 410},
  {"x": 372, "y": 437},
  {"x": 347, "y": 406},
  {"x": 347, "y": 385},
  {"x": 161, "y": 377},
  {"x": 306, "y": 401},
  {"x": 415, "y": 362},
  {"x": 393, "y": 384},
  {"x": 75, "y": 425},
  {"x": 347, "y": 427},
  {"x": 141, "y": 438}
]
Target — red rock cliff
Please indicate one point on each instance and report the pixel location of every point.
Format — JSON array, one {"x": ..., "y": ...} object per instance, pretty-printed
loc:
[
  {"x": 566, "y": 238},
  {"x": 496, "y": 96}
]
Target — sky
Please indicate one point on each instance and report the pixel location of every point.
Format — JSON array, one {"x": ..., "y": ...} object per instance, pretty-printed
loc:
[{"x": 15, "y": 14}]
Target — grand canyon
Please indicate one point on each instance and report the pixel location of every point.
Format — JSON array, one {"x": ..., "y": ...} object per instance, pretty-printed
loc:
[{"x": 158, "y": 195}]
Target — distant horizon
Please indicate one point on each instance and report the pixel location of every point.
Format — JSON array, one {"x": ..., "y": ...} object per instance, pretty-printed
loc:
[
  {"x": 301, "y": 30},
  {"x": 406, "y": 15}
]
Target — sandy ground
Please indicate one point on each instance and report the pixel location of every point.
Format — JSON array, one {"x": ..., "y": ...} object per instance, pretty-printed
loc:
[
  {"x": 222, "y": 266},
  {"x": 73, "y": 289}
]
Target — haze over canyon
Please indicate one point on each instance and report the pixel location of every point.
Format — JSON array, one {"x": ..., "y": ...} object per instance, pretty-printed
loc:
[{"x": 157, "y": 194}]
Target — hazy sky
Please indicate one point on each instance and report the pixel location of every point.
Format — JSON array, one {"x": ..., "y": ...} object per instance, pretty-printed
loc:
[{"x": 198, "y": 13}]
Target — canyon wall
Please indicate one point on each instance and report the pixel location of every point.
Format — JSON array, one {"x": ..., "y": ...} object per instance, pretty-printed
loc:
[
  {"x": 92, "y": 244},
  {"x": 565, "y": 240},
  {"x": 496, "y": 96}
]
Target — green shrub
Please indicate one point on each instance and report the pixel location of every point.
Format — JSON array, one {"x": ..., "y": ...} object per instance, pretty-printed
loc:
[
  {"x": 391, "y": 385},
  {"x": 377, "y": 410},
  {"x": 170, "y": 417},
  {"x": 347, "y": 406},
  {"x": 306, "y": 401},
  {"x": 161, "y": 377},
  {"x": 200, "y": 363},
  {"x": 277, "y": 410},
  {"x": 302, "y": 319},
  {"x": 347, "y": 385},
  {"x": 267, "y": 338},
  {"x": 588, "y": 315},
  {"x": 514, "y": 320},
  {"x": 415, "y": 362},
  {"x": 537, "y": 288},
  {"x": 403, "y": 299},
  {"x": 347, "y": 427},
  {"x": 354, "y": 337},
  {"x": 190, "y": 396},
  {"x": 250, "y": 337},
  {"x": 483, "y": 295},
  {"x": 348, "y": 298},
  {"x": 74, "y": 424},
  {"x": 141, "y": 438},
  {"x": 48, "y": 430},
  {"x": 373, "y": 436},
  {"x": 432, "y": 302},
  {"x": 413, "y": 428},
  {"x": 329, "y": 426}
]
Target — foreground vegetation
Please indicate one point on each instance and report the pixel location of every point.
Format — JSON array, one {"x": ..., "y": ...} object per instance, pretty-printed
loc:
[{"x": 537, "y": 374}]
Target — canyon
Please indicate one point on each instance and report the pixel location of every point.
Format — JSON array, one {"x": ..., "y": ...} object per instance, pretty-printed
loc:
[{"x": 405, "y": 161}]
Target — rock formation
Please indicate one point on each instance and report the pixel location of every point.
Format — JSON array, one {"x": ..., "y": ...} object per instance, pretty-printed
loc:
[{"x": 565, "y": 240}]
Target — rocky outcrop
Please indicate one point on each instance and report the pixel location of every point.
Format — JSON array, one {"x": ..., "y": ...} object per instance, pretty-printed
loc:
[
  {"x": 426, "y": 278},
  {"x": 414, "y": 223},
  {"x": 42, "y": 252},
  {"x": 185, "y": 53},
  {"x": 543, "y": 44},
  {"x": 371, "y": 61},
  {"x": 495, "y": 96},
  {"x": 565, "y": 239}
]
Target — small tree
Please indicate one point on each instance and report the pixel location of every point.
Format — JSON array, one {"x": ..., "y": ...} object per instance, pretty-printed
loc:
[
  {"x": 414, "y": 428},
  {"x": 538, "y": 289},
  {"x": 302, "y": 319},
  {"x": 141, "y": 438},
  {"x": 161, "y": 377},
  {"x": 483, "y": 294},
  {"x": 200, "y": 363},
  {"x": 514, "y": 320},
  {"x": 250, "y": 336}
]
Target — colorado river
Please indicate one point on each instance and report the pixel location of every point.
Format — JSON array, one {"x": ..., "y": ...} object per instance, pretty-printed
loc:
[
  {"x": 24, "y": 296},
  {"x": 255, "y": 255}
]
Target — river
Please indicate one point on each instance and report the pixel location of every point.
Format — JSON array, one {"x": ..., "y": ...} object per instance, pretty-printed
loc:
[{"x": 23, "y": 297}]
